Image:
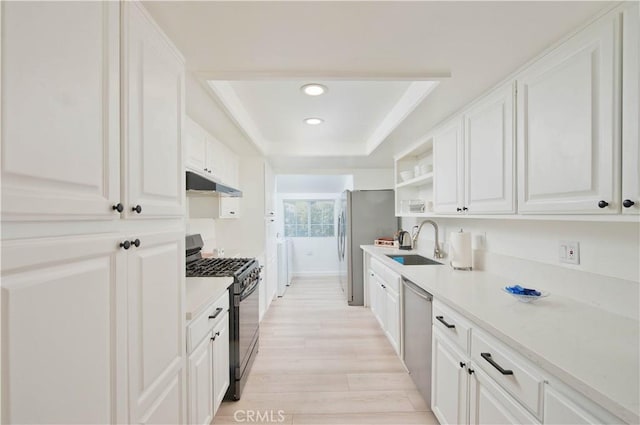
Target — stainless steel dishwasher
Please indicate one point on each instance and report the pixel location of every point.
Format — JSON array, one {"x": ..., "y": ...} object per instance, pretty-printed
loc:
[{"x": 417, "y": 336}]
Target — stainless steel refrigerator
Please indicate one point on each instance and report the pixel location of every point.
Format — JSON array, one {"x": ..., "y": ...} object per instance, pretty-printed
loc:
[{"x": 364, "y": 215}]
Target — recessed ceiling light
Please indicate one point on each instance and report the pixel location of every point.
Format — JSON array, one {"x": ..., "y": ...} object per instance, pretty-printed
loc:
[
  {"x": 313, "y": 121},
  {"x": 313, "y": 89}
]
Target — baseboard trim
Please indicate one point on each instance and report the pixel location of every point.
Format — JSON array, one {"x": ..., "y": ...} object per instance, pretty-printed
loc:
[{"x": 315, "y": 275}]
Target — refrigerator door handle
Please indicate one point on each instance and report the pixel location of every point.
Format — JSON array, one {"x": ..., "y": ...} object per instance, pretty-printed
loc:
[{"x": 338, "y": 239}]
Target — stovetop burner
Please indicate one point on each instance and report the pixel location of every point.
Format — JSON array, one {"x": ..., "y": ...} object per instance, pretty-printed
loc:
[{"x": 215, "y": 267}]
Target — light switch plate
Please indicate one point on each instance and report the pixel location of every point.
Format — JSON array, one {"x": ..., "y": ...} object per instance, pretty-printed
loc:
[{"x": 569, "y": 252}]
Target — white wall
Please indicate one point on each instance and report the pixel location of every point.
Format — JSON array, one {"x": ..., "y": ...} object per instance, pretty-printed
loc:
[
  {"x": 304, "y": 183},
  {"x": 203, "y": 109},
  {"x": 373, "y": 179},
  {"x": 363, "y": 178},
  {"x": 311, "y": 256},
  {"x": 526, "y": 251}
]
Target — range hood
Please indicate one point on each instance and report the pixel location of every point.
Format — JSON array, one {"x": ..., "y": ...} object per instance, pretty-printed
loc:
[{"x": 197, "y": 183}]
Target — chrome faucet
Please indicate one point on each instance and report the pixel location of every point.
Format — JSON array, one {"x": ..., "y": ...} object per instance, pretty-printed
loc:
[{"x": 437, "y": 253}]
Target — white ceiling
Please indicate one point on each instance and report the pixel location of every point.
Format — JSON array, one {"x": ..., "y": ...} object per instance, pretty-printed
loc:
[
  {"x": 358, "y": 115},
  {"x": 264, "y": 50}
]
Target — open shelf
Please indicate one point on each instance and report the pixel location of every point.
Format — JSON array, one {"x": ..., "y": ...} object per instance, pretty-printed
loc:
[{"x": 417, "y": 181}]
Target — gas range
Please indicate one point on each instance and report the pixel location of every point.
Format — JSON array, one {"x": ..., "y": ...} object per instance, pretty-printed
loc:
[
  {"x": 243, "y": 307},
  {"x": 245, "y": 271}
]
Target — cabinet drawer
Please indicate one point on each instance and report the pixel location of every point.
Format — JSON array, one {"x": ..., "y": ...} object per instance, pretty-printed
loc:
[
  {"x": 453, "y": 326},
  {"x": 202, "y": 325},
  {"x": 518, "y": 376},
  {"x": 385, "y": 274}
]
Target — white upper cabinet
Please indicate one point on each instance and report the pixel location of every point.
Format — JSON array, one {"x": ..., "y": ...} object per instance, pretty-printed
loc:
[
  {"x": 568, "y": 140},
  {"x": 447, "y": 168},
  {"x": 64, "y": 330},
  {"x": 60, "y": 110},
  {"x": 154, "y": 105},
  {"x": 195, "y": 147},
  {"x": 207, "y": 156},
  {"x": 489, "y": 154},
  {"x": 630, "y": 110}
]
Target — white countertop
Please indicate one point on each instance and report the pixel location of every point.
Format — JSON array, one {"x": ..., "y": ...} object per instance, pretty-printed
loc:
[
  {"x": 595, "y": 352},
  {"x": 201, "y": 291}
]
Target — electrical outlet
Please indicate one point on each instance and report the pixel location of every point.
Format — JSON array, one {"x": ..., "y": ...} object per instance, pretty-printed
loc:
[{"x": 569, "y": 252}]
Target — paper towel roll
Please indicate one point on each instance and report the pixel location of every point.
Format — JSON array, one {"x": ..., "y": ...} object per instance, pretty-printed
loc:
[{"x": 460, "y": 248}]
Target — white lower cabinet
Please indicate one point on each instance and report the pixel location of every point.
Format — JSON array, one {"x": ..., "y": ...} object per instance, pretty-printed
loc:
[
  {"x": 392, "y": 308},
  {"x": 64, "y": 330},
  {"x": 156, "y": 327},
  {"x": 384, "y": 300},
  {"x": 490, "y": 404},
  {"x": 94, "y": 329},
  {"x": 564, "y": 406},
  {"x": 450, "y": 381},
  {"x": 209, "y": 361},
  {"x": 477, "y": 379},
  {"x": 201, "y": 383},
  {"x": 221, "y": 374}
]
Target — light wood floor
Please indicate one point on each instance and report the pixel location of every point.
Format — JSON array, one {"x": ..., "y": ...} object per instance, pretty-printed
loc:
[{"x": 323, "y": 362}]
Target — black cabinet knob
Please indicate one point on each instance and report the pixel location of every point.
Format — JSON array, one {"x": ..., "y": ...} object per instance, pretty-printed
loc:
[
  {"x": 471, "y": 371},
  {"x": 118, "y": 207},
  {"x": 603, "y": 204},
  {"x": 628, "y": 203},
  {"x": 458, "y": 209},
  {"x": 125, "y": 244},
  {"x": 462, "y": 364},
  {"x": 136, "y": 243},
  {"x": 232, "y": 212},
  {"x": 137, "y": 209},
  {"x": 465, "y": 209}
]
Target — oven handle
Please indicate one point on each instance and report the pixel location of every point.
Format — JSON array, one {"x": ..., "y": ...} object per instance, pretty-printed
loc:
[{"x": 247, "y": 292}]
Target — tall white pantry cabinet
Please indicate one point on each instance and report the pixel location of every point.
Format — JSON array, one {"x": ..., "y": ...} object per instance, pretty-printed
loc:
[{"x": 93, "y": 216}]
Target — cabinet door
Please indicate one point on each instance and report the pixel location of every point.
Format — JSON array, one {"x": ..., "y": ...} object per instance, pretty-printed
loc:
[
  {"x": 196, "y": 147},
  {"x": 201, "y": 370},
  {"x": 221, "y": 372},
  {"x": 60, "y": 110},
  {"x": 64, "y": 330},
  {"x": 381, "y": 309},
  {"x": 489, "y": 155},
  {"x": 449, "y": 382},
  {"x": 373, "y": 293},
  {"x": 215, "y": 159},
  {"x": 447, "y": 169},
  {"x": 154, "y": 104},
  {"x": 490, "y": 404},
  {"x": 631, "y": 110},
  {"x": 393, "y": 319},
  {"x": 567, "y": 127},
  {"x": 269, "y": 190},
  {"x": 559, "y": 409},
  {"x": 229, "y": 207},
  {"x": 156, "y": 324}
]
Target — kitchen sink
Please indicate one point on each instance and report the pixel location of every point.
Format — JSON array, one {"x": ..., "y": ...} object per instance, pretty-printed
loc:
[{"x": 413, "y": 260}]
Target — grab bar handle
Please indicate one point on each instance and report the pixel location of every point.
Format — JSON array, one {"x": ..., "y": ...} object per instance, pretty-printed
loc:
[
  {"x": 441, "y": 320},
  {"x": 487, "y": 357}
]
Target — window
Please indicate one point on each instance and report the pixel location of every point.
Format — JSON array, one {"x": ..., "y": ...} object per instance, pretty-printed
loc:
[{"x": 309, "y": 218}]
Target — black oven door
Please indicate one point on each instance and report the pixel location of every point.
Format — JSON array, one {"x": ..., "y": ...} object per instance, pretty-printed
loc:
[{"x": 248, "y": 322}]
